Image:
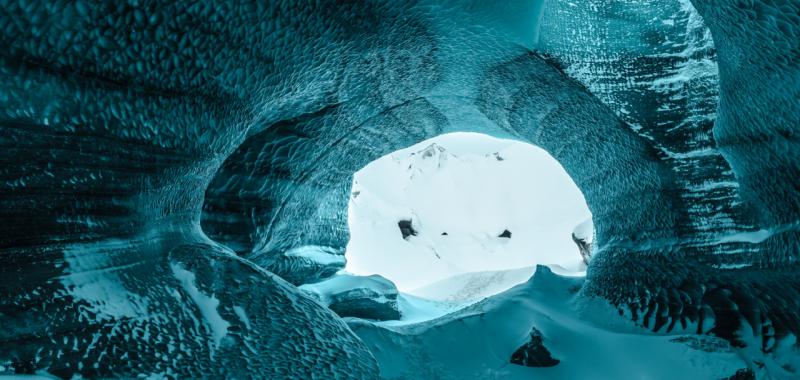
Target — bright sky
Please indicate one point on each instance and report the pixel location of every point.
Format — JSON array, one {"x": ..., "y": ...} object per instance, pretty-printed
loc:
[{"x": 465, "y": 191}]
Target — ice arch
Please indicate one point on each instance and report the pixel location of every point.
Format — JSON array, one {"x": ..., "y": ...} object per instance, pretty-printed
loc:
[
  {"x": 290, "y": 183},
  {"x": 119, "y": 146}
]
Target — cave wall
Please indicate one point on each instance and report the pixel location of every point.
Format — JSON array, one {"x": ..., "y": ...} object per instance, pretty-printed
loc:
[{"x": 285, "y": 190}]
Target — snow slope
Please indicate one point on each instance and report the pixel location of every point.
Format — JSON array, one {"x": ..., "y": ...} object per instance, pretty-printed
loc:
[
  {"x": 474, "y": 286},
  {"x": 461, "y": 191},
  {"x": 477, "y": 342}
]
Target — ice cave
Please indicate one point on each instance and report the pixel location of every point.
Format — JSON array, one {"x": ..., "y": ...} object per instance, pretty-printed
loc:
[{"x": 177, "y": 177}]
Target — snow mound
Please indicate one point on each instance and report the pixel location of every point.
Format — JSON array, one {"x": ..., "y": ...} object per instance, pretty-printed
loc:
[{"x": 479, "y": 341}]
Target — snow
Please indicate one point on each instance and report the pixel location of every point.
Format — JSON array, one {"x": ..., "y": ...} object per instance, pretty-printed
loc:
[
  {"x": 207, "y": 304},
  {"x": 319, "y": 254},
  {"x": 461, "y": 191},
  {"x": 475, "y": 286},
  {"x": 585, "y": 231},
  {"x": 478, "y": 341},
  {"x": 752, "y": 237},
  {"x": 415, "y": 309},
  {"x": 242, "y": 316}
]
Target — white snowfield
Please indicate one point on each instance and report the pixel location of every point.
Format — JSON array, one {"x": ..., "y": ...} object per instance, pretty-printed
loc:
[
  {"x": 585, "y": 231},
  {"x": 461, "y": 192},
  {"x": 473, "y": 287},
  {"x": 477, "y": 342}
]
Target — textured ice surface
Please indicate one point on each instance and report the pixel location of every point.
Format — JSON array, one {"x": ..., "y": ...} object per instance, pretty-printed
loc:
[
  {"x": 131, "y": 130},
  {"x": 207, "y": 314},
  {"x": 698, "y": 84}
]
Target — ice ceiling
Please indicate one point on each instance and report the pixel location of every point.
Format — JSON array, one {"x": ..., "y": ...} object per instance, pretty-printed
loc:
[{"x": 168, "y": 166}]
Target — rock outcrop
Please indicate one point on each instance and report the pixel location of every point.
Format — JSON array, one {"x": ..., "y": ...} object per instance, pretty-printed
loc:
[
  {"x": 583, "y": 236},
  {"x": 534, "y": 353}
]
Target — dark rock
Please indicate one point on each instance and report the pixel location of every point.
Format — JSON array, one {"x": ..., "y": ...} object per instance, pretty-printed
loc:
[
  {"x": 583, "y": 235},
  {"x": 505, "y": 234},
  {"x": 584, "y": 247},
  {"x": 534, "y": 353},
  {"x": 406, "y": 229},
  {"x": 742, "y": 374}
]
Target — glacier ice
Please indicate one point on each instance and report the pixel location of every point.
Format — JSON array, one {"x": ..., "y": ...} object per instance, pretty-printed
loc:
[{"x": 171, "y": 170}]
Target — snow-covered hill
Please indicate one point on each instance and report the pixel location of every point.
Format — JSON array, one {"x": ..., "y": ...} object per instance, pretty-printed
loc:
[
  {"x": 467, "y": 203},
  {"x": 479, "y": 341}
]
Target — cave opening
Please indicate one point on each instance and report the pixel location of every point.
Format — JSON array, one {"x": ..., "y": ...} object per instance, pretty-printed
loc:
[{"x": 462, "y": 216}]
